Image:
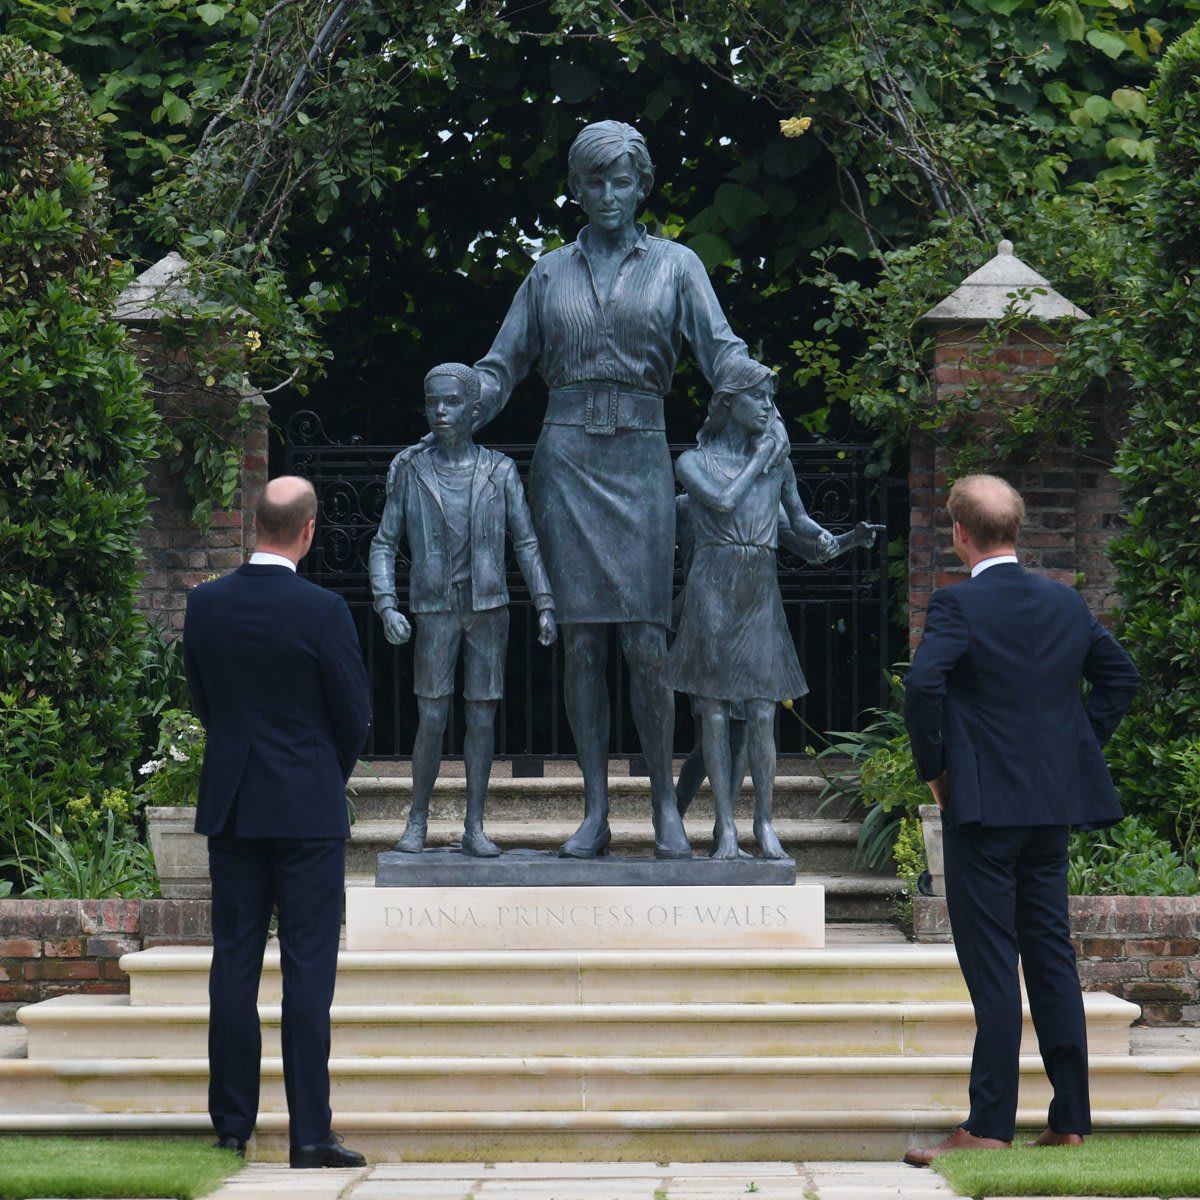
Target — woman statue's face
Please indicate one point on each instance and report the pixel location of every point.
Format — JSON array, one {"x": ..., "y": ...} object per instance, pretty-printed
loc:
[
  {"x": 751, "y": 410},
  {"x": 611, "y": 197}
]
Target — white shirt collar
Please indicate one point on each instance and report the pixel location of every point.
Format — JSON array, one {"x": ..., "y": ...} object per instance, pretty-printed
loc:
[
  {"x": 261, "y": 558},
  {"x": 982, "y": 566}
]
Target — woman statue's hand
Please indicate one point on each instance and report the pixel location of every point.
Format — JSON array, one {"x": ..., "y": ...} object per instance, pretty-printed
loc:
[{"x": 406, "y": 455}]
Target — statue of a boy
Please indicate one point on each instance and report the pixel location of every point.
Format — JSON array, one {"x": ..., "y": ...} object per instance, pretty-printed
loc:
[{"x": 454, "y": 503}]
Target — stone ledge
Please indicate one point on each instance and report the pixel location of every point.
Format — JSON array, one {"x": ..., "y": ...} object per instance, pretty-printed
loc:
[{"x": 1141, "y": 948}]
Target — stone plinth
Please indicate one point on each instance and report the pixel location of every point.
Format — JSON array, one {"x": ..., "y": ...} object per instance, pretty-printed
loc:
[
  {"x": 585, "y": 918},
  {"x": 445, "y": 866}
]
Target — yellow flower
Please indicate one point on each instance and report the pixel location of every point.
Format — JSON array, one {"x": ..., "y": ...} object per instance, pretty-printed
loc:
[
  {"x": 786, "y": 703},
  {"x": 253, "y": 340},
  {"x": 794, "y": 127}
]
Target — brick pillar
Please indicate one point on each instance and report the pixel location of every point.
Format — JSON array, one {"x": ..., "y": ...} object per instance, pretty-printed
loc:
[
  {"x": 1072, "y": 500},
  {"x": 176, "y": 554}
]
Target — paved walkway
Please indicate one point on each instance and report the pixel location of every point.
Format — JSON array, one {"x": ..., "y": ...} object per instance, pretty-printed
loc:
[{"x": 592, "y": 1181}]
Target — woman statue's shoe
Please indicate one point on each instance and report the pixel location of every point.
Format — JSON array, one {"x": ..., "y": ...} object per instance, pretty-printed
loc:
[
  {"x": 477, "y": 844},
  {"x": 670, "y": 840},
  {"x": 412, "y": 841},
  {"x": 581, "y": 845}
]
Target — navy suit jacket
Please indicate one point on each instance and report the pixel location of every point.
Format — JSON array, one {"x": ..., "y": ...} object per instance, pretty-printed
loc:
[
  {"x": 994, "y": 699},
  {"x": 276, "y": 675}
]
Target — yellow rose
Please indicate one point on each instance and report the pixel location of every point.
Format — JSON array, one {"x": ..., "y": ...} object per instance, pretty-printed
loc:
[{"x": 794, "y": 127}]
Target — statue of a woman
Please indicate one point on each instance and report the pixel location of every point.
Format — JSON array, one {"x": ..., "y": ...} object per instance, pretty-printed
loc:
[{"x": 604, "y": 318}]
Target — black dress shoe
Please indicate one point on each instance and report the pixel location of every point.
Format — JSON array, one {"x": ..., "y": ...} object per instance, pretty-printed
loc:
[
  {"x": 329, "y": 1153},
  {"x": 228, "y": 1142}
]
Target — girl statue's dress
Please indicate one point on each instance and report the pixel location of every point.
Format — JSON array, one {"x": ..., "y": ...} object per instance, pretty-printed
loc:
[{"x": 733, "y": 641}]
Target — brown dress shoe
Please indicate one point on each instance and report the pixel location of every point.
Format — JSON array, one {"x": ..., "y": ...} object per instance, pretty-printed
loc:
[
  {"x": 1049, "y": 1138},
  {"x": 960, "y": 1139}
]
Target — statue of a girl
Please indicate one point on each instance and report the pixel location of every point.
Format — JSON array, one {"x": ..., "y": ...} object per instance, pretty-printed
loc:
[{"x": 733, "y": 645}]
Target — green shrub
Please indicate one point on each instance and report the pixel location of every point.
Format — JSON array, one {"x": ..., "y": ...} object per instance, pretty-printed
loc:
[
  {"x": 109, "y": 866},
  {"x": 78, "y": 432},
  {"x": 1158, "y": 555},
  {"x": 1129, "y": 859},
  {"x": 172, "y": 776},
  {"x": 40, "y": 775},
  {"x": 875, "y": 767}
]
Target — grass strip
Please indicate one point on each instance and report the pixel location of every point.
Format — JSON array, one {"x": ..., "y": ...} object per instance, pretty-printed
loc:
[
  {"x": 111, "y": 1167},
  {"x": 1146, "y": 1165}
]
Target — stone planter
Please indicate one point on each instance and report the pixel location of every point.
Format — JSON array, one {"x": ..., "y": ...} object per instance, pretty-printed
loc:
[
  {"x": 931, "y": 830},
  {"x": 180, "y": 854}
]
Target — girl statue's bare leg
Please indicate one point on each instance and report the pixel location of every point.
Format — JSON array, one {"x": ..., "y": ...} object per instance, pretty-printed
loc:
[
  {"x": 714, "y": 731},
  {"x": 760, "y": 730}
]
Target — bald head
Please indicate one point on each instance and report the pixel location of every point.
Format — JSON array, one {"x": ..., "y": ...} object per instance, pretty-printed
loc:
[
  {"x": 988, "y": 510},
  {"x": 281, "y": 516}
]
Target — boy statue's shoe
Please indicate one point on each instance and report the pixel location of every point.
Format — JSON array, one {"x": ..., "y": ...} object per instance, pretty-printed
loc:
[
  {"x": 329, "y": 1153},
  {"x": 229, "y": 1142},
  {"x": 960, "y": 1139},
  {"x": 477, "y": 844}
]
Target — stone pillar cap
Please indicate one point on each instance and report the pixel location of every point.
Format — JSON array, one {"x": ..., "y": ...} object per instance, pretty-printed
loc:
[
  {"x": 988, "y": 294},
  {"x": 146, "y": 300}
]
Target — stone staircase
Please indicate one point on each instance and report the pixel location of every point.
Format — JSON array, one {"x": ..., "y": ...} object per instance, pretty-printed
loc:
[
  {"x": 542, "y": 813},
  {"x": 851, "y": 1052}
]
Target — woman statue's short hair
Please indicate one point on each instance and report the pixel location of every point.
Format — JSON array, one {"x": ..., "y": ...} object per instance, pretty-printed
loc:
[
  {"x": 596, "y": 147},
  {"x": 467, "y": 376}
]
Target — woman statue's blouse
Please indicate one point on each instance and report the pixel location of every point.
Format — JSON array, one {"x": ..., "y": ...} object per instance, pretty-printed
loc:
[{"x": 661, "y": 294}]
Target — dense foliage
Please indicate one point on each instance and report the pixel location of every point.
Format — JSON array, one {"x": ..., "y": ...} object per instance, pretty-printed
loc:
[
  {"x": 408, "y": 168},
  {"x": 78, "y": 433},
  {"x": 1157, "y": 749}
]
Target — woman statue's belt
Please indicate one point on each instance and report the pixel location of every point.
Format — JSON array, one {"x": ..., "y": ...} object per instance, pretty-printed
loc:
[{"x": 603, "y": 408}]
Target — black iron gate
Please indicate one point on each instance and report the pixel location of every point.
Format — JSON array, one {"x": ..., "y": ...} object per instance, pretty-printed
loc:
[{"x": 839, "y": 614}]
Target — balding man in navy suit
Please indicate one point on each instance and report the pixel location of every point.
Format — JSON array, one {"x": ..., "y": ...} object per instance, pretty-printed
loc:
[
  {"x": 276, "y": 675},
  {"x": 1011, "y": 750}
]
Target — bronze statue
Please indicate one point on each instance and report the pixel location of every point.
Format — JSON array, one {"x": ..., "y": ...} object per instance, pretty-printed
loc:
[
  {"x": 733, "y": 647},
  {"x": 454, "y": 504},
  {"x": 604, "y": 319}
]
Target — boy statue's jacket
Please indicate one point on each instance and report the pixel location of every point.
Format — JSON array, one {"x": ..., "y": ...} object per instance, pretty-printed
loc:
[{"x": 414, "y": 508}]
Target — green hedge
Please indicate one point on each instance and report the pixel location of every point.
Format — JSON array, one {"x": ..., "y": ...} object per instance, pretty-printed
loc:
[
  {"x": 1156, "y": 753},
  {"x": 77, "y": 435}
]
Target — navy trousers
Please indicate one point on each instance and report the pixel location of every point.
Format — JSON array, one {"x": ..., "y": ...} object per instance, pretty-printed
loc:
[
  {"x": 1006, "y": 891},
  {"x": 303, "y": 880}
]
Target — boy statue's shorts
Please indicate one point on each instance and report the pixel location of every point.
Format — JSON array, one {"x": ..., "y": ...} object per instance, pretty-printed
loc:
[{"x": 483, "y": 637}]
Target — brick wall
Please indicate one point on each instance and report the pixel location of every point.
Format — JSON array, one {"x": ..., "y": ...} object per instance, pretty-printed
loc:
[
  {"x": 176, "y": 554},
  {"x": 1142, "y": 948},
  {"x": 54, "y": 947},
  {"x": 1072, "y": 500}
]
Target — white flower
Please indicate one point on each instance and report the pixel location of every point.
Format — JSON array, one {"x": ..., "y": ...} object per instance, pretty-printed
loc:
[
  {"x": 153, "y": 765},
  {"x": 177, "y": 754}
]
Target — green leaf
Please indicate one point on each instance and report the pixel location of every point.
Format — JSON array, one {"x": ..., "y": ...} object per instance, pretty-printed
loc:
[
  {"x": 1112, "y": 44},
  {"x": 738, "y": 205},
  {"x": 1005, "y": 7},
  {"x": 1096, "y": 107},
  {"x": 177, "y": 109},
  {"x": 211, "y": 14},
  {"x": 1130, "y": 100},
  {"x": 711, "y": 249}
]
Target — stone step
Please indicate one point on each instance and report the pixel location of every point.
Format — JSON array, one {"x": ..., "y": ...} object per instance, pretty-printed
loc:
[
  {"x": 712, "y": 1134},
  {"x": 109, "y": 1027},
  {"x": 560, "y": 797},
  {"x": 892, "y": 973},
  {"x": 557, "y": 1087},
  {"x": 818, "y": 847}
]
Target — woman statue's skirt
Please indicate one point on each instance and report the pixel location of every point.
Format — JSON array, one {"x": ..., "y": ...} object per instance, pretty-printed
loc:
[{"x": 604, "y": 511}]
